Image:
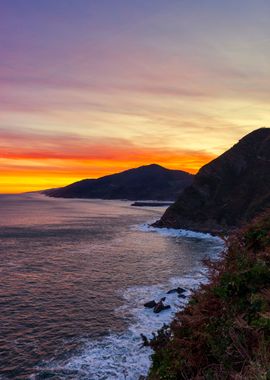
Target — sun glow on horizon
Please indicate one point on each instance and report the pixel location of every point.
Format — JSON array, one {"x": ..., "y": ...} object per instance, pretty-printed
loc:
[
  {"x": 40, "y": 177},
  {"x": 93, "y": 88}
]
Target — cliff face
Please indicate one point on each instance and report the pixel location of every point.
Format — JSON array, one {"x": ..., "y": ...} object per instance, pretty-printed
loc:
[
  {"x": 151, "y": 182},
  {"x": 227, "y": 192}
]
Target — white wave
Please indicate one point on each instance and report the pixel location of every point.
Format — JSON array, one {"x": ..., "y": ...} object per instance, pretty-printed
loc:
[
  {"x": 178, "y": 232},
  {"x": 120, "y": 356}
]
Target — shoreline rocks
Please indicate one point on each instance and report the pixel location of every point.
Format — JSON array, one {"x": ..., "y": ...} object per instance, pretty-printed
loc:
[
  {"x": 150, "y": 304},
  {"x": 177, "y": 290},
  {"x": 160, "y": 307}
]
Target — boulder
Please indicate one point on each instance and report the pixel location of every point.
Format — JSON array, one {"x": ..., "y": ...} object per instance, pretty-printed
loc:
[
  {"x": 145, "y": 340},
  {"x": 150, "y": 304},
  {"x": 182, "y": 296},
  {"x": 160, "y": 307},
  {"x": 176, "y": 290}
]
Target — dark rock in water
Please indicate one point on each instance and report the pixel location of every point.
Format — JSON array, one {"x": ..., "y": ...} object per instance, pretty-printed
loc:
[
  {"x": 172, "y": 291},
  {"x": 160, "y": 307},
  {"x": 150, "y": 304},
  {"x": 166, "y": 307},
  {"x": 153, "y": 303},
  {"x": 142, "y": 377},
  {"x": 176, "y": 290},
  {"x": 228, "y": 192},
  {"x": 143, "y": 183},
  {"x": 182, "y": 296},
  {"x": 145, "y": 340}
]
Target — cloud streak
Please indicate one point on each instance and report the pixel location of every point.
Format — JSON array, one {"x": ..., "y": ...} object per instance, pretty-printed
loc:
[
  {"x": 62, "y": 159},
  {"x": 90, "y": 88},
  {"x": 42, "y": 147}
]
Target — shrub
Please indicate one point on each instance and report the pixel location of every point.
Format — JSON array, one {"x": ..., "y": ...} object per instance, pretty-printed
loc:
[{"x": 224, "y": 332}]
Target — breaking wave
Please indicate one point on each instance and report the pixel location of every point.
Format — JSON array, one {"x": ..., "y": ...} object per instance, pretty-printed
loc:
[{"x": 121, "y": 356}]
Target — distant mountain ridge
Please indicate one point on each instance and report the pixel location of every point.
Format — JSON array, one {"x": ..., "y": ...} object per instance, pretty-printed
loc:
[
  {"x": 227, "y": 192},
  {"x": 150, "y": 182}
]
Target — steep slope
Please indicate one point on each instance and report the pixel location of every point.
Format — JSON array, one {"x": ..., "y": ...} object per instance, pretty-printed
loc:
[
  {"x": 224, "y": 331},
  {"x": 143, "y": 183},
  {"x": 228, "y": 191}
]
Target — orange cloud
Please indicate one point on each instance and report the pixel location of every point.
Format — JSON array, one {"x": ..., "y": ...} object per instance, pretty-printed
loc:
[{"x": 37, "y": 162}]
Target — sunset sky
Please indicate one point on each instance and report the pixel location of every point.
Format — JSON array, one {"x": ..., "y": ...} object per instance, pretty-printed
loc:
[{"x": 92, "y": 87}]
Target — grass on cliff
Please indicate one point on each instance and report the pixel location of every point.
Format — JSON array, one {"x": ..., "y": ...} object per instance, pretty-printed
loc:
[{"x": 224, "y": 333}]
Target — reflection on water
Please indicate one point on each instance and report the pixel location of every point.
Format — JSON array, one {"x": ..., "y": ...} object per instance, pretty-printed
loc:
[{"x": 67, "y": 269}]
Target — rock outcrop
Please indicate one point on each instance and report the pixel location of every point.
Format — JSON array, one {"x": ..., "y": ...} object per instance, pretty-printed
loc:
[{"x": 227, "y": 192}]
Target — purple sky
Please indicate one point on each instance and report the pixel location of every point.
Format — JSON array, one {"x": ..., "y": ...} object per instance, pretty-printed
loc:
[{"x": 187, "y": 78}]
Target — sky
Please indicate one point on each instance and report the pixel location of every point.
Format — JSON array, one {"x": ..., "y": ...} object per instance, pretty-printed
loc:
[{"x": 93, "y": 87}]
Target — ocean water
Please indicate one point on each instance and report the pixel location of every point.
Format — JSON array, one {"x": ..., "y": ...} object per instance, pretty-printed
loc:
[{"x": 74, "y": 275}]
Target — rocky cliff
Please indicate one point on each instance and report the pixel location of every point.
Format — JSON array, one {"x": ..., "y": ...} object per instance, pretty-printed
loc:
[{"x": 227, "y": 192}]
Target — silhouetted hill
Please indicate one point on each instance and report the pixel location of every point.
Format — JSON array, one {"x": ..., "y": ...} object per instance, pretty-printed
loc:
[
  {"x": 228, "y": 191},
  {"x": 151, "y": 182}
]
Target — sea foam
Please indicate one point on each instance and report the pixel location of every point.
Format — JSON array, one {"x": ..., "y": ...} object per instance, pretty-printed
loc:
[
  {"x": 121, "y": 356},
  {"x": 178, "y": 232}
]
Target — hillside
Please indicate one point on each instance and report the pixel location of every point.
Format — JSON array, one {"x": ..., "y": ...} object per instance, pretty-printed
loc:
[
  {"x": 224, "y": 331},
  {"x": 151, "y": 182},
  {"x": 227, "y": 192}
]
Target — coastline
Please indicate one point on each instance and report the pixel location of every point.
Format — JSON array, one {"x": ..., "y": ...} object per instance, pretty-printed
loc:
[
  {"x": 222, "y": 332},
  {"x": 122, "y": 355},
  {"x": 181, "y": 232}
]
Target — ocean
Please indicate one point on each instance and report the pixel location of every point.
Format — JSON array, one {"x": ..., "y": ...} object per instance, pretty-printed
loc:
[{"x": 74, "y": 275}]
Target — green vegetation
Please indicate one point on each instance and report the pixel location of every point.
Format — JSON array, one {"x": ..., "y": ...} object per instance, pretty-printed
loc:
[{"x": 224, "y": 332}]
